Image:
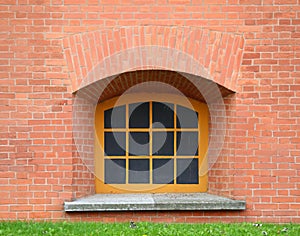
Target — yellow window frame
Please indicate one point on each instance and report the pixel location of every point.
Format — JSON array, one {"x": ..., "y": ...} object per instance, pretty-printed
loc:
[{"x": 201, "y": 108}]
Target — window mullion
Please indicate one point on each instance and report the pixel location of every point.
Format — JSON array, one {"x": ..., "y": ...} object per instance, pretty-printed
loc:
[
  {"x": 150, "y": 144},
  {"x": 175, "y": 143},
  {"x": 127, "y": 144}
]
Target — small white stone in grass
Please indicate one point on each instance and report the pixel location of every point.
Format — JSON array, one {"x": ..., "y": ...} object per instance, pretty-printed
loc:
[{"x": 257, "y": 225}]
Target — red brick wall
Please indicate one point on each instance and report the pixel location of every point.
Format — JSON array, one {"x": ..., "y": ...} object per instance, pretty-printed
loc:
[{"x": 47, "y": 48}]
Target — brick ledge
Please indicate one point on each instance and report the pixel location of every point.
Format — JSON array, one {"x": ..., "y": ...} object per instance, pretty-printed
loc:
[{"x": 149, "y": 202}]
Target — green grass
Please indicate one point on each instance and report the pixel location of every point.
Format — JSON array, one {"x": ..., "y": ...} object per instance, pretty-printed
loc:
[{"x": 144, "y": 229}]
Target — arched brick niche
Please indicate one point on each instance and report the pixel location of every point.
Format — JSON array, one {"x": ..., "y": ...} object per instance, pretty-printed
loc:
[
  {"x": 113, "y": 86},
  {"x": 201, "y": 64}
]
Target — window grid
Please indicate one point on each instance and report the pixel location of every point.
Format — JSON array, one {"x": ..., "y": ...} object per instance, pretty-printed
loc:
[
  {"x": 151, "y": 130},
  {"x": 150, "y": 157}
]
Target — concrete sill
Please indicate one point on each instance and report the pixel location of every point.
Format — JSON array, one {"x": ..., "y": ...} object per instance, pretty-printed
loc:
[{"x": 153, "y": 202}]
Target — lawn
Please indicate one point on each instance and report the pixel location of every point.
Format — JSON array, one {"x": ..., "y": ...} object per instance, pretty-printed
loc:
[{"x": 145, "y": 229}]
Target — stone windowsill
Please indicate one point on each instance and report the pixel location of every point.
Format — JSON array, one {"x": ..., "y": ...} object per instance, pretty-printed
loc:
[{"x": 144, "y": 202}]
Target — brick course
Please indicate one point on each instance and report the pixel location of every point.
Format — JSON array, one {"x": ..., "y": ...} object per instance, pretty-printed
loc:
[{"x": 51, "y": 49}]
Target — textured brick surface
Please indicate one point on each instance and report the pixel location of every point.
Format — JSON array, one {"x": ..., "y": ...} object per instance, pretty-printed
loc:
[{"x": 49, "y": 49}]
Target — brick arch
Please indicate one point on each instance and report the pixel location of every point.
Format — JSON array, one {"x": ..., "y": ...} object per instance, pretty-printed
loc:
[{"x": 92, "y": 56}]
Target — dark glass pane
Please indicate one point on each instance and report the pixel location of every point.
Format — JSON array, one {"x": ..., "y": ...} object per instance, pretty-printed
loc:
[
  {"x": 163, "y": 171},
  {"x": 139, "y": 171},
  {"x": 187, "y": 171},
  {"x": 139, "y": 115},
  {"x": 139, "y": 144},
  {"x": 115, "y": 171},
  {"x": 163, "y": 113},
  {"x": 186, "y": 118},
  {"x": 115, "y": 117},
  {"x": 163, "y": 143},
  {"x": 187, "y": 143},
  {"x": 114, "y": 143}
]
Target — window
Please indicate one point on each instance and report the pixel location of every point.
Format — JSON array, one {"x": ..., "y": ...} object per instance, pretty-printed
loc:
[{"x": 151, "y": 143}]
